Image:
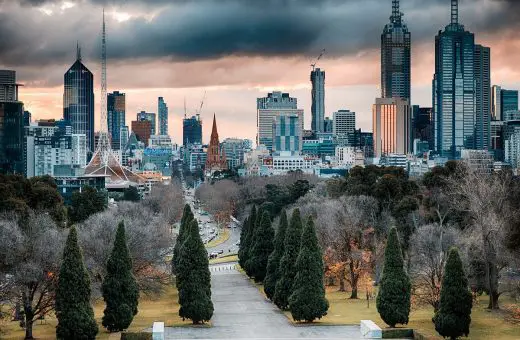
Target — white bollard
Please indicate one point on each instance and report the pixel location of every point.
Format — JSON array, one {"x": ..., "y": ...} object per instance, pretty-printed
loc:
[{"x": 158, "y": 331}]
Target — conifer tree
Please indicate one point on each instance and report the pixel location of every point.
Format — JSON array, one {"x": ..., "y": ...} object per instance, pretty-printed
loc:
[
  {"x": 243, "y": 236},
  {"x": 393, "y": 300},
  {"x": 249, "y": 239},
  {"x": 195, "y": 289},
  {"x": 308, "y": 301},
  {"x": 73, "y": 309},
  {"x": 187, "y": 216},
  {"x": 262, "y": 248},
  {"x": 287, "y": 263},
  {"x": 453, "y": 318},
  {"x": 120, "y": 290},
  {"x": 273, "y": 274}
]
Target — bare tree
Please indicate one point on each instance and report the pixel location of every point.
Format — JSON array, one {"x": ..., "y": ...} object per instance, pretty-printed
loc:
[
  {"x": 167, "y": 200},
  {"x": 30, "y": 266},
  {"x": 429, "y": 247},
  {"x": 220, "y": 199},
  {"x": 149, "y": 241}
]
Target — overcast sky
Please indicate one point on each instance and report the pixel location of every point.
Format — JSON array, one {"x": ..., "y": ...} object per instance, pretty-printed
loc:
[{"x": 236, "y": 50}]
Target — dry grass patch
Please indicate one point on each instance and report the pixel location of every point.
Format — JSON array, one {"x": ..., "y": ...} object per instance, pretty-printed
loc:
[{"x": 223, "y": 237}]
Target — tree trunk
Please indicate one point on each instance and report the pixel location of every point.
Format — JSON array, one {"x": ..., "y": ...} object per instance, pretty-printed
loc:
[
  {"x": 342, "y": 280},
  {"x": 354, "y": 278},
  {"x": 28, "y": 327},
  {"x": 330, "y": 280},
  {"x": 493, "y": 300}
]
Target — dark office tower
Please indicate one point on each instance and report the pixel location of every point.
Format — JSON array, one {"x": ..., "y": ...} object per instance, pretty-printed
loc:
[
  {"x": 483, "y": 97},
  {"x": 78, "y": 100},
  {"x": 116, "y": 117},
  {"x": 191, "y": 130},
  {"x": 395, "y": 57},
  {"x": 318, "y": 100},
  {"x": 454, "y": 88},
  {"x": 26, "y": 118},
  {"x": 422, "y": 124},
  {"x": 163, "y": 117}
]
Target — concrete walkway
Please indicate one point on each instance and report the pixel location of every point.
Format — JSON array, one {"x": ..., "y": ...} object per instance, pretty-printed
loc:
[{"x": 241, "y": 312}]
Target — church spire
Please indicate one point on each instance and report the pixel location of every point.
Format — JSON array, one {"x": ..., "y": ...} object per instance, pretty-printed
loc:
[{"x": 214, "y": 131}]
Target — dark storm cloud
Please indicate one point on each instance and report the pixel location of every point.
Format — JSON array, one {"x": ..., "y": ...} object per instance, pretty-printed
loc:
[{"x": 209, "y": 29}]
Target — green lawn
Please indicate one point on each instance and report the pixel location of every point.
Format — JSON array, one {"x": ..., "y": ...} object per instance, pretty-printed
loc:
[
  {"x": 163, "y": 308},
  {"x": 223, "y": 237}
]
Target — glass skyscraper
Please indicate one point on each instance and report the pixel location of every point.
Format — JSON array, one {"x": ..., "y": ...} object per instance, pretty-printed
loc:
[
  {"x": 483, "y": 97},
  {"x": 78, "y": 100},
  {"x": 163, "y": 117},
  {"x": 454, "y": 95},
  {"x": 318, "y": 100},
  {"x": 191, "y": 130},
  {"x": 116, "y": 117},
  {"x": 395, "y": 57}
]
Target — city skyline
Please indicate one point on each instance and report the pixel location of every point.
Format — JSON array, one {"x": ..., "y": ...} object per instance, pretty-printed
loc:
[{"x": 352, "y": 66}]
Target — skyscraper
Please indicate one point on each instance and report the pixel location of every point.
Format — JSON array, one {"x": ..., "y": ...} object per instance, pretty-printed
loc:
[
  {"x": 454, "y": 97},
  {"x": 163, "y": 117},
  {"x": 344, "y": 122},
  {"x": 287, "y": 132},
  {"x": 78, "y": 100},
  {"x": 116, "y": 116},
  {"x": 276, "y": 100},
  {"x": 318, "y": 100},
  {"x": 483, "y": 97},
  {"x": 191, "y": 130},
  {"x": 395, "y": 57},
  {"x": 149, "y": 116},
  {"x": 503, "y": 100},
  {"x": 392, "y": 126},
  {"x": 8, "y": 86}
]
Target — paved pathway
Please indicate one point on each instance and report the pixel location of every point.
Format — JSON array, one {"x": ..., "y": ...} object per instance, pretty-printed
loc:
[{"x": 241, "y": 312}]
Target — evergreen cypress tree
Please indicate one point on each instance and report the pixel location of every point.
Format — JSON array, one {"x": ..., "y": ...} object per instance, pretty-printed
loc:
[
  {"x": 73, "y": 310},
  {"x": 195, "y": 289},
  {"x": 254, "y": 239},
  {"x": 243, "y": 236},
  {"x": 120, "y": 290},
  {"x": 393, "y": 300},
  {"x": 287, "y": 269},
  {"x": 308, "y": 301},
  {"x": 273, "y": 274},
  {"x": 249, "y": 240},
  {"x": 262, "y": 248},
  {"x": 187, "y": 216},
  {"x": 453, "y": 318}
]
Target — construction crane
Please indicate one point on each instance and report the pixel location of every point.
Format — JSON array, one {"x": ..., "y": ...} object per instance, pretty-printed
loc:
[
  {"x": 185, "y": 107},
  {"x": 201, "y": 103},
  {"x": 317, "y": 59}
]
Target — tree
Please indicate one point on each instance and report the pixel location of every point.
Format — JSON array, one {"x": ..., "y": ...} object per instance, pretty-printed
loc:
[
  {"x": 85, "y": 203},
  {"x": 308, "y": 302},
  {"x": 246, "y": 245},
  {"x": 120, "y": 290},
  {"x": 453, "y": 318},
  {"x": 287, "y": 268},
  {"x": 131, "y": 194},
  {"x": 262, "y": 248},
  {"x": 243, "y": 237},
  {"x": 73, "y": 310},
  {"x": 195, "y": 290},
  {"x": 186, "y": 219},
  {"x": 273, "y": 273},
  {"x": 393, "y": 300},
  {"x": 167, "y": 200}
]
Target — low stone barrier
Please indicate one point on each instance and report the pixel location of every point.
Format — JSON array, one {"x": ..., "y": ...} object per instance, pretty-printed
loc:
[
  {"x": 158, "y": 331},
  {"x": 369, "y": 330}
]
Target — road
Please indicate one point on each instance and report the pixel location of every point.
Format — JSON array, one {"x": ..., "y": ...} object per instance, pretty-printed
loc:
[{"x": 241, "y": 312}]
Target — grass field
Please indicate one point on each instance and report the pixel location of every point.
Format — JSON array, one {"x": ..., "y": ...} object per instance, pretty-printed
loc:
[
  {"x": 163, "y": 308},
  {"x": 223, "y": 237}
]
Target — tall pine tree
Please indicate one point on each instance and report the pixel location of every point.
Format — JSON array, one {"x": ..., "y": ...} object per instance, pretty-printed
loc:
[
  {"x": 195, "y": 289},
  {"x": 308, "y": 301},
  {"x": 273, "y": 273},
  {"x": 249, "y": 240},
  {"x": 73, "y": 310},
  {"x": 453, "y": 318},
  {"x": 120, "y": 290},
  {"x": 243, "y": 237},
  {"x": 187, "y": 216},
  {"x": 393, "y": 300},
  {"x": 287, "y": 268},
  {"x": 262, "y": 248}
]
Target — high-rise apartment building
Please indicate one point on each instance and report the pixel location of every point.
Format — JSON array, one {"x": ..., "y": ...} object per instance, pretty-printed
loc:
[
  {"x": 482, "y": 66},
  {"x": 191, "y": 130},
  {"x": 502, "y": 100},
  {"x": 116, "y": 117},
  {"x": 266, "y": 118},
  {"x": 78, "y": 100},
  {"x": 318, "y": 100},
  {"x": 395, "y": 57},
  {"x": 287, "y": 132},
  {"x": 392, "y": 126},
  {"x": 454, "y": 95},
  {"x": 277, "y": 100},
  {"x": 148, "y": 116},
  {"x": 163, "y": 117},
  {"x": 343, "y": 122}
]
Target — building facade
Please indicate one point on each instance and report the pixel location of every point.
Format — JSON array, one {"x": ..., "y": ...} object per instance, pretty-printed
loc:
[
  {"x": 276, "y": 100},
  {"x": 142, "y": 130},
  {"x": 8, "y": 86},
  {"x": 502, "y": 100},
  {"x": 116, "y": 117},
  {"x": 422, "y": 125},
  {"x": 395, "y": 57},
  {"x": 78, "y": 100},
  {"x": 11, "y": 137},
  {"x": 150, "y": 117},
  {"x": 318, "y": 101},
  {"x": 287, "y": 133},
  {"x": 266, "y": 118},
  {"x": 391, "y": 126},
  {"x": 483, "y": 97},
  {"x": 163, "y": 116},
  {"x": 191, "y": 130},
  {"x": 343, "y": 122},
  {"x": 235, "y": 150}
]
